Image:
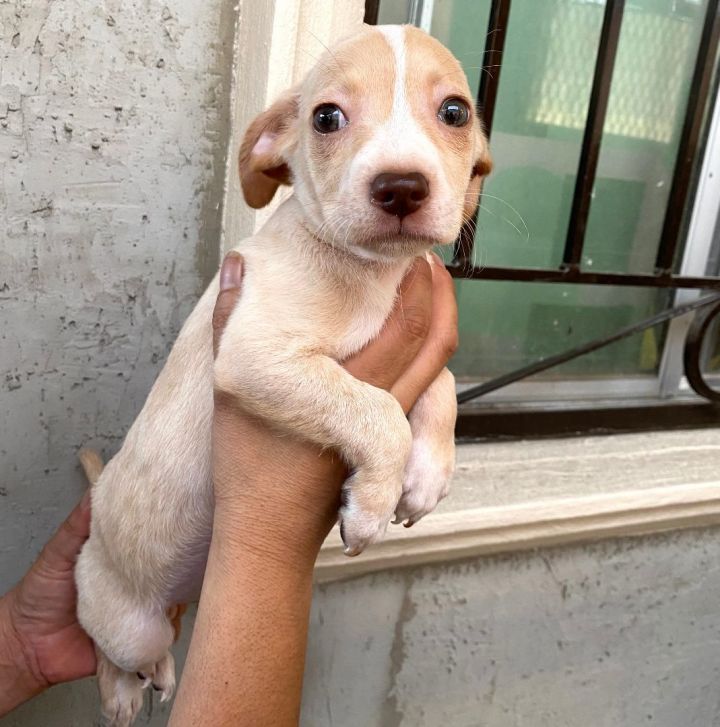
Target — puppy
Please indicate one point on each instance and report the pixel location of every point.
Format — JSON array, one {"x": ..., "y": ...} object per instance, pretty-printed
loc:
[{"x": 386, "y": 155}]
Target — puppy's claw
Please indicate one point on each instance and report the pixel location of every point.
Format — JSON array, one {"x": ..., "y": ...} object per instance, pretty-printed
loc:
[
  {"x": 146, "y": 680},
  {"x": 164, "y": 679},
  {"x": 342, "y": 535},
  {"x": 357, "y": 532}
]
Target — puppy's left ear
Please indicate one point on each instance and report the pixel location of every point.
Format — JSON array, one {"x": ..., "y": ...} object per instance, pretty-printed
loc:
[
  {"x": 481, "y": 168},
  {"x": 266, "y": 148}
]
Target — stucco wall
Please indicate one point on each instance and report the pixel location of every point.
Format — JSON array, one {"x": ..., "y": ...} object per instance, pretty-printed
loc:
[
  {"x": 619, "y": 634},
  {"x": 113, "y": 129},
  {"x": 113, "y": 134}
]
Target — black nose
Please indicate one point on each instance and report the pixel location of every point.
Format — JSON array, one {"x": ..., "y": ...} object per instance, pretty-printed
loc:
[{"x": 399, "y": 194}]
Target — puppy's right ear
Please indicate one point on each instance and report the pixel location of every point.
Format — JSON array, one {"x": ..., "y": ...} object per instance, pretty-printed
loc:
[{"x": 266, "y": 149}]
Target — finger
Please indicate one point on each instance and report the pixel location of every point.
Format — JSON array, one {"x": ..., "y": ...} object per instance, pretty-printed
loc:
[
  {"x": 231, "y": 274},
  {"x": 61, "y": 551},
  {"x": 440, "y": 343},
  {"x": 384, "y": 359}
]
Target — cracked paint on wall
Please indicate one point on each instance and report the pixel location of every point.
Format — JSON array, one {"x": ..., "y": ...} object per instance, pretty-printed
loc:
[{"x": 113, "y": 134}]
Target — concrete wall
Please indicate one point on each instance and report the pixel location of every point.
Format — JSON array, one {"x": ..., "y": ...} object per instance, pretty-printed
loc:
[
  {"x": 113, "y": 129},
  {"x": 113, "y": 134},
  {"x": 619, "y": 634}
]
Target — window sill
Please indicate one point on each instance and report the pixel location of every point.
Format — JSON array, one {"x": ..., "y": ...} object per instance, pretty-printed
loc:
[{"x": 522, "y": 495}]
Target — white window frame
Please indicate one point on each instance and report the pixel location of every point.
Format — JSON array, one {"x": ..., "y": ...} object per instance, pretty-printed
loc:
[
  {"x": 702, "y": 227},
  {"x": 276, "y": 44}
]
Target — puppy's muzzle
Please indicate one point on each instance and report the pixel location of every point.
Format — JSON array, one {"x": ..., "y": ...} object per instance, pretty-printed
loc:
[{"x": 399, "y": 194}]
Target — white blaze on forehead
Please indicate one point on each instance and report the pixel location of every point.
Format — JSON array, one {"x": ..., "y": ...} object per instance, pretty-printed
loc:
[
  {"x": 395, "y": 36},
  {"x": 399, "y": 144}
]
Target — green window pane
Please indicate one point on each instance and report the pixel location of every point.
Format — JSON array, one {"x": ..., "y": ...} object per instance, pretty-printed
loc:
[
  {"x": 541, "y": 109},
  {"x": 462, "y": 27},
  {"x": 545, "y": 84},
  {"x": 393, "y": 12},
  {"x": 547, "y": 71},
  {"x": 505, "y": 325},
  {"x": 648, "y": 99}
]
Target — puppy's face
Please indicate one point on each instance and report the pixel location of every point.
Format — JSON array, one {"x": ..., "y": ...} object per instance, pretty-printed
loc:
[{"x": 381, "y": 143}]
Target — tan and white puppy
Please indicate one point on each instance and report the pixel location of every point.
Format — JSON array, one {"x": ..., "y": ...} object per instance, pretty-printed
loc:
[{"x": 386, "y": 157}]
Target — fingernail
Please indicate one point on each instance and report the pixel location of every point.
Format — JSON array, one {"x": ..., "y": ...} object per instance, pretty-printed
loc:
[
  {"x": 231, "y": 271},
  {"x": 85, "y": 502},
  {"x": 436, "y": 260}
]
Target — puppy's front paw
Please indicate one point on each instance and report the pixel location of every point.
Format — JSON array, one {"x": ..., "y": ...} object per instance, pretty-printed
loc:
[
  {"x": 427, "y": 480},
  {"x": 365, "y": 512}
]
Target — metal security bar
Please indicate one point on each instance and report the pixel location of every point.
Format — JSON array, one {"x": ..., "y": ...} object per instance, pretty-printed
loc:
[
  {"x": 570, "y": 270},
  {"x": 372, "y": 8},
  {"x": 690, "y": 138},
  {"x": 590, "y": 154},
  {"x": 693, "y": 350},
  {"x": 485, "y": 105}
]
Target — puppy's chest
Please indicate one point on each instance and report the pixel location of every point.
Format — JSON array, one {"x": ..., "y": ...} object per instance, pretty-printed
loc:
[
  {"x": 363, "y": 326},
  {"x": 312, "y": 308}
]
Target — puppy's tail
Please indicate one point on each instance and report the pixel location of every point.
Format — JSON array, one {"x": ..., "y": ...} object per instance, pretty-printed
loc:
[{"x": 92, "y": 464}]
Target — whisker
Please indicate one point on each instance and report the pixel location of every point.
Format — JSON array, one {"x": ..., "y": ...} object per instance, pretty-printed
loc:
[
  {"x": 333, "y": 56},
  {"x": 507, "y": 204}
]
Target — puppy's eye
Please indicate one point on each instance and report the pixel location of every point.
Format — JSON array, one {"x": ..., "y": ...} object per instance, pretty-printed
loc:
[
  {"x": 328, "y": 118},
  {"x": 454, "y": 112}
]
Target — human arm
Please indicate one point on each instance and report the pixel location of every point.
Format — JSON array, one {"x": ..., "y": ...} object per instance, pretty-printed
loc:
[{"x": 276, "y": 500}]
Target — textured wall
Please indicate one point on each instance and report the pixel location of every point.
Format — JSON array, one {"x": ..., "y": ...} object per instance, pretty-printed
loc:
[
  {"x": 619, "y": 634},
  {"x": 113, "y": 121},
  {"x": 113, "y": 131}
]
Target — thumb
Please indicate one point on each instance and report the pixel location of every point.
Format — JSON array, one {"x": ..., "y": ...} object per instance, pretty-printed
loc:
[
  {"x": 231, "y": 274},
  {"x": 62, "y": 549}
]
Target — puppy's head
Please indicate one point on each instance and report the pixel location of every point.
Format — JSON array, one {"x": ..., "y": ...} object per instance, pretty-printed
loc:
[{"x": 380, "y": 141}]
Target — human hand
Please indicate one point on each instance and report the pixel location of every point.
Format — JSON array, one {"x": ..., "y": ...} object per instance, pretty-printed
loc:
[
  {"x": 282, "y": 495},
  {"x": 276, "y": 498},
  {"x": 41, "y": 641}
]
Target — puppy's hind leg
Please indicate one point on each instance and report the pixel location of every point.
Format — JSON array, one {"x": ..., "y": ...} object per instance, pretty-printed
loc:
[
  {"x": 121, "y": 692},
  {"x": 132, "y": 636},
  {"x": 121, "y": 688}
]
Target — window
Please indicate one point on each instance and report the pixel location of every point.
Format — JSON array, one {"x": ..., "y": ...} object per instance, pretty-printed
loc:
[{"x": 606, "y": 142}]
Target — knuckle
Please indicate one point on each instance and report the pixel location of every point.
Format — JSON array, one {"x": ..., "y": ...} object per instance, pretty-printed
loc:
[
  {"x": 416, "y": 323},
  {"x": 448, "y": 343},
  {"x": 72, "y": 527}
]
